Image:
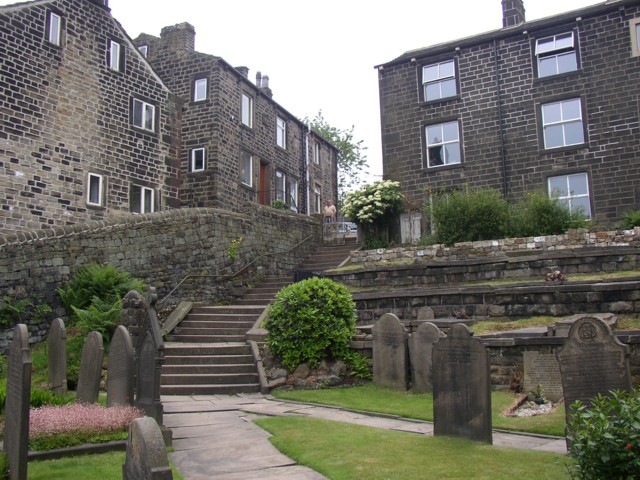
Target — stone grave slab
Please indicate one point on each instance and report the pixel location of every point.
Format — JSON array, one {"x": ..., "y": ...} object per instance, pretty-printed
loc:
[
  {"x": 16, "y": 414},
  {"x": 421, "y": 356},
  {"x": 543, "y": 369},
  {"x": 461, "y": 386},
  {"x": 57, "y": 357},
  {"x": 390, "y": 353},
  {"x": 90, "y": 369},
  {"x": 146, "y": 453},
  {"x": 120, "y": 369}
]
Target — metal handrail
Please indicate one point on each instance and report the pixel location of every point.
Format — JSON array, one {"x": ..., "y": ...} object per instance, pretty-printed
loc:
[{"x": 232, "y": 275}]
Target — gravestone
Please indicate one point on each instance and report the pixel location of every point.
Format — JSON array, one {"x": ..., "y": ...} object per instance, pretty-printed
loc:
[
  {"x": 390, "y": 356},
  {"x": 57, "y": 357},
  {"x": 120, "y": 369},
  {"x": 421, "y": 355},
  {"x": 90, "y": 369},
  {"x": 16, "y": 414},
  {"x": 461, "y": 386},
  {"x": 592, "y": 361},
  {"x": 134, "y": 312},
  {"x": 543, "y": 369},
  {"x": 146, "y": 453}
]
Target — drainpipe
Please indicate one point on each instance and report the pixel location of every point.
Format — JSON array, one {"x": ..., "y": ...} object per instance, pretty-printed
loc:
[
  {"x": 503, "y": 157},
  {"x": 306, "y": 155}
]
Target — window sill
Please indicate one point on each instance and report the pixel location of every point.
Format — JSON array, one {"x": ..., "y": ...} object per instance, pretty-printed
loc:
[
  {"x": 566, "y": 75},
  {"x": 247, "y": 187},
  {"x": 569, "y": 148},
  {"x": 144, "y": 130},
  {"x": 430, "y": 103},
  {"x": 439, "y": 168}
]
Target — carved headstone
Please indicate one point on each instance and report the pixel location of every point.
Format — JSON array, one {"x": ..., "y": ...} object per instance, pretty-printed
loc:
[
  {"x": 134, "y": 312},
  {"x": 57, "y": 356},
  {"x": 146, "y": 453},
  {"x": 120, "y": 369},
  {"x": 90, "y": 369},
  {"x": 592, "y": 361},
  {"x": 461, "y": 386},
  {"x": 421, "y": 355},
  {"x": 543, "y": 369},
  {"x": 390, "y": 356},
  {"x": 16, "y": 415}
]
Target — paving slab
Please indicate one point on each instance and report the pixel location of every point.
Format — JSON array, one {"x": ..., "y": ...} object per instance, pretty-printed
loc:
[
  {"x": 294, "y": 472},
  {"x": 208, "y": 430},
  {"x": 206, "y": 418}
]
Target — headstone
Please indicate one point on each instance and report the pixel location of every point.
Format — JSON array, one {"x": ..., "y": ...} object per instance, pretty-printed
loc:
[
  {"x": 592, "y": 361},
  {"x": 120, "y": 369},
  {"x": 90, "y": 369},
  {"x": 134, "y": 312},
  {"x": 420, "y": 354},
  {"x": 461, "y": 386},
  {"x": 16, "y": 414},
  {"x": 543, "y": 369},
  {"x": 390, "y": 356},
  {"x": 146, "y": 453},
  {"x": 57, "y": 356},
  {"x": 426, "y": 313}
]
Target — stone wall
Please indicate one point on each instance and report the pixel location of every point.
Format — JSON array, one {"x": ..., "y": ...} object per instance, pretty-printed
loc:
[{"x": 162, "y": 248}]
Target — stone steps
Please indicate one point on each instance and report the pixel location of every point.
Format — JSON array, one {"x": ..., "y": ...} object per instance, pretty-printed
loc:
[{"x": 209, "y": 389}]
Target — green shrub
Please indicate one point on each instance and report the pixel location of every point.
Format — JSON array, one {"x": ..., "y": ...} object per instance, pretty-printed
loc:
[
  {"x": 372, "y": 243},
  {"x": 13, "y": 311},
  {"x": 605, "y": 437},
  {"x": 280, "y": 205},
  {"x": 39, "y": 397},
  {"x": 359, "y": 365},
  {"x": 538, "y": 214},
  {"x": 101, "y": 316},
  {"x": 4, "y": 465},
  {"x": 310, "y": 321},
  {"x": 75, "y": 342},
  {"x": 631, "y": 220}
]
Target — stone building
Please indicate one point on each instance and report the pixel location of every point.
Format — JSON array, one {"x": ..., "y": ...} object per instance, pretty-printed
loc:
[
  {"x": 550, "y": 104},
  {"x": 90, "y": 129}
]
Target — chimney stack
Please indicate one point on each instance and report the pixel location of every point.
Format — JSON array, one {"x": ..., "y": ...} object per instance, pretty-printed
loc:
[
  {"x": 264, "y": 86},
  {"x": 244, "y": 71},
  {"x": 179, "y": 37},
  {"x": 512, "y": 13}
]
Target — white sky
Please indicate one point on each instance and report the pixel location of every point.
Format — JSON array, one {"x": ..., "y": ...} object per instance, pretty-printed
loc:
[{"x": 319, "y": 55}]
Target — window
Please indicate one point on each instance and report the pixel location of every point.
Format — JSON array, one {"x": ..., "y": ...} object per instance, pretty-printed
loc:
[
  {"x": 144, "y": 50},
  {"x": 443, "y": 144},
  {"x": 144, "y": 115},
  {"x": 200, "y": 90},
  {"x": 562, "y": 123},
  {"x": 634, "y": 27},
  {"x": 281, "y": 132},
  {"x": 197, "y": 160},
  {"x": 293, "y": 194},
  {"x": 281, "y": 189},
  {"x": 142, "y": 200},
  {"x": 556, "y": 54},
  {"x": 114, "y": 56},
  {"x": 573, "y": 191},
  {"x": 246, "y": 169},
  {"x": 54, "y": 28},
  {"x": 94, "y": 189},
  {"x": 316, "y": 153},
  {"x": 317, "y": 199},
  {"x": 439, "y": 80},
  {"x": 247, "y": 110}
]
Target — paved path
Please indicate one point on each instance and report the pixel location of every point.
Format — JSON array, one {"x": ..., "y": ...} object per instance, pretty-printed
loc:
[{"x": 214, "y": 436}]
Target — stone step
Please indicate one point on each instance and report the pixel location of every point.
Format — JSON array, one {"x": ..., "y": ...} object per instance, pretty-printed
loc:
[
  {"x": 209, "y": 379},
  {"x": 209, "y": 389},
  {"x": 230, "y": 317},
  {"x": 190, "y": 323},
  {"x": 226, "y": 310},
  {"x": 202, "y": 348},
  {"x": 176, "y": 360},
  {"x": 206, "y": 338},
  {"x": 208, "y": 331},
  {"x": 263, "y": 303},
  {"x": 231, "y": 368}
]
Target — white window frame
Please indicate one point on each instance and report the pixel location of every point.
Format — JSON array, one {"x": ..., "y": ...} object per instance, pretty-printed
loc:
[
  {"x": 194, "y": 159},
  {"x": 551, "y": 47},
  {"x": 147, "y": 115},
  {"x": 570, "y": 196},
  {"x": 317, "y": 199},
  {"x": 247, "y": 110},
  {"x": 90, "y": 189},
  {"x": 246, "y": 177},
  {"x": 564, "y": 122},
  {"x": 442, "y": 145},
  {"x": 293, "y": 194},
  {"x": 144, "y": 50},
  {"x": 281, "y": 186},
  {"x": 281, "y": 132},
  {"x": 439, "y": 80},
  {"x": 200, "y": 89},
  {"x": 54, "y": 25},
  {"x": 115, "y": 51},
  {"x": 146, "y": 203},
  {"x": 316, "y": 153},
  {"x": 634, "y": 33}
]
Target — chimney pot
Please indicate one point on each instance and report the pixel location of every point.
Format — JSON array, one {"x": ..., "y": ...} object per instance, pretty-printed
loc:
[{"x": 258, "y": 79}]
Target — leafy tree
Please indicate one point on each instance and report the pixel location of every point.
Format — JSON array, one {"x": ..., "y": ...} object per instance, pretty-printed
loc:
[{"x": 352, "y": 160}]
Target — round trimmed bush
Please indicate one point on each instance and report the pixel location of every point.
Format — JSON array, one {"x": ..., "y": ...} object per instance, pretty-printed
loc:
[{"x": 310, "y": 321}]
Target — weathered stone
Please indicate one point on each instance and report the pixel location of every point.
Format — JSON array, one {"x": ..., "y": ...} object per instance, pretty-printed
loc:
[
  {"x": 146, "y": 453},
  {"x": 90, "y": 369},
  {"x": 120, "y": 369},
  {"x": 302, "y": 371},
  {"x": 57, "y": 357},
  {"x": 421, "y": 355},
  {"x": 16, "y": 414},
  {"x": 461, "y": 386},
  {"x": 390, "y": 356},
  {"x": 544, "y": 370}
]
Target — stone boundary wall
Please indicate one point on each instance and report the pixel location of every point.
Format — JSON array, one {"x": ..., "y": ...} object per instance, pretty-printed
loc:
[
  {"x": 573, "y": 239},
  {"x": 161, "y": 248}
]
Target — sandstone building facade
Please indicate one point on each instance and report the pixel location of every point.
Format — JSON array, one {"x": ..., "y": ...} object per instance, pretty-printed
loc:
[
  {"x": 93, "y": 127},
  {"x": 549, "y": 105}
]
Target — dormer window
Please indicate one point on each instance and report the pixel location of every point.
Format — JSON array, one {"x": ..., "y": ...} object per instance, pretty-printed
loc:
[{"x": 556, "y": 54}]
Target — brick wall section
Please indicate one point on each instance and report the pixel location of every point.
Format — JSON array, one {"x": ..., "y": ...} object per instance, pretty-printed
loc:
[
  {"x": 606, "y": 83},
  {"x": 66, "y": 114}
]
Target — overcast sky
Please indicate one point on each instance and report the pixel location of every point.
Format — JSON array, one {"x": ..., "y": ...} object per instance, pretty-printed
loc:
[{"x": 320, "y": 55}]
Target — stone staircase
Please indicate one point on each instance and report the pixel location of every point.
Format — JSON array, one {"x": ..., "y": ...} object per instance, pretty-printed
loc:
[{"x": 207, "y": 353}]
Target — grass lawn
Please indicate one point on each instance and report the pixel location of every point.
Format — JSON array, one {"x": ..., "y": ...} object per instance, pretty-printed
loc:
[
  {"x": 371, "y": 398},
  {"x": 352, "y": 452}
]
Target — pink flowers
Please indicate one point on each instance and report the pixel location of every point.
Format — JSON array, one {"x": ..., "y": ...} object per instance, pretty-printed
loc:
[{"x": 629, "y": 446}]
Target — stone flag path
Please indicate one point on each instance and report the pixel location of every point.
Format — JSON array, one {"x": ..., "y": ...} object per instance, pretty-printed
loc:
[{"x": 214, "y": 436}]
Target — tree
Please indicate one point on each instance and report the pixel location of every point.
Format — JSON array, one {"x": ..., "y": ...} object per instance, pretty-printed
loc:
[{"x": 352, "y": 160}]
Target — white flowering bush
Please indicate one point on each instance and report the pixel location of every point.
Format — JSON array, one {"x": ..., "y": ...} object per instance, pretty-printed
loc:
[{"x": 374, "y": 203}]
